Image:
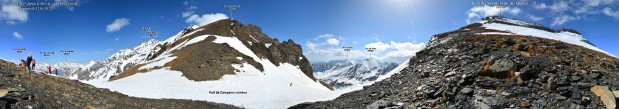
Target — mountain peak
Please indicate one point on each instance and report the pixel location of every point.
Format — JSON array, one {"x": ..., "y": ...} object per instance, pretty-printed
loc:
[
  {"x": 505, "y": 20},
  {"x": 229, "y": 41}
]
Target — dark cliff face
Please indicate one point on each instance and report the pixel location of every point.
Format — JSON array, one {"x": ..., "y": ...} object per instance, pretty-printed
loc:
[
  {"x": 276, "y": 52},
  {"x": 463, "y": 69},
  {"x": 290, "y": 52}
]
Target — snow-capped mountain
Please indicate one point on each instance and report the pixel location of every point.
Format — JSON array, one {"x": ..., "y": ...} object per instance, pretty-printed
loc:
[
  {"x": 342, "y": 74},
  {"x": 63, "y": 68},
  {"x": 116, "y": 63},
  {"x": 224, "y": 61}
]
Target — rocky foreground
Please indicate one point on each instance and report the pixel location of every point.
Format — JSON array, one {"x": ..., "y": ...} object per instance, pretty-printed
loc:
[
  {"x": 23, "y": 90},
  {"x": 463, "y": 69}
]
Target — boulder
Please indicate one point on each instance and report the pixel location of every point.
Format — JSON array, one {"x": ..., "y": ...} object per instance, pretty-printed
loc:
[
  {"x": 3, "y": 92},
  {"x": 605, "y": 95},
  {"x": 380, "y": 104},
  {"x": 502, "y": 68},
  {"x": 466, "y": 91},
  {"x": 616, "y": 93}
]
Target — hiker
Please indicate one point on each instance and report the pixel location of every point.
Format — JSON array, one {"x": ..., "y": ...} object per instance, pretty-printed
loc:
[
  {"x": 23, "y": 63},
  {"x": 29, "y": 61},
  {"x": 34, "y": 63},
  {"x": 50, "y": 69},
  {"x": 56, "y": 69}
]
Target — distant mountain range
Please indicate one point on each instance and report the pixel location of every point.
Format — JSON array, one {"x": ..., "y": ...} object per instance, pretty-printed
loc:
[{"x": 342, "y": 74}]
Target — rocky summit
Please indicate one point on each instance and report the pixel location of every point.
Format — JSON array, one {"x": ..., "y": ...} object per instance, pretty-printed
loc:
[
  {"x": 466, "y": 68},
  {"x": 20, "y": 89}
]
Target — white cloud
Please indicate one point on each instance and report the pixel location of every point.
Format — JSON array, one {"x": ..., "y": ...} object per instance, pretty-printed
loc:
[
  {"x": 560, "y": 20},
  {"x": 187, "y": 13},
  {"x": 185, "y": 2},
  {"x": 404, "y": 49},
  {"x": 325, "y": 36},
  {"x": 116, "y": 39},
  {"x": 196, "y": 19},
  {"x": 540, "y": 6},
  {"x": 592, "y": 2},
  {"x": 558, "y": 10},
  {"x": 205, "y": 18},
  {"x": 117, "y": 24},
  {"x": 534, "y": 18},
  {"x": 484, "y": 11},
  {"x": 609, "y": 12},
  {"x": 192, "y": 8},
  {"x": 316, "y": 52},
  {"x": 311, "y": 46},
  {"x": 324, "y": 47},
  {"x": 562, "y": 11},
  {"x": 13, "y": 14},
  {"x": 556, "y": 7},
  {"x": 380, "y": 46},
  {"x": 560, "y": 6},
  {"x": 17, "y": 36},
  {"x": 515, "y": 11},
  {"x": 333, "y": 41},
  {"x": 329, "y": 39}
]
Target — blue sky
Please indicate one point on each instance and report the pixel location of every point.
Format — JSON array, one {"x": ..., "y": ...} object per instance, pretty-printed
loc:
[{"x": 397, "y": 28}]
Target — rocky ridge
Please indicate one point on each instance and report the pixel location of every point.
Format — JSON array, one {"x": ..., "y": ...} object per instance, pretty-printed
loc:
[
  {"x": 20, "y": 89},
  {"x": 464, "y": 69}
]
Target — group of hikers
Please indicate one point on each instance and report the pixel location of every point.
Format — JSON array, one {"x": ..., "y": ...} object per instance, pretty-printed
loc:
[{"x": 31, "y": 63}]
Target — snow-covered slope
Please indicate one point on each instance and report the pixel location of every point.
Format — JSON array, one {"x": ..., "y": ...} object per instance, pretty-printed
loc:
[
  {"x": 277, "y": 86},
  {"x": 517, "y": 27},
  {"x": 352, "y": 74}
]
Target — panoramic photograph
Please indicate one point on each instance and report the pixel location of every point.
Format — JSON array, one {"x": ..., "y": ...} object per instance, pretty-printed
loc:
[{"x": 309, "y": 54}]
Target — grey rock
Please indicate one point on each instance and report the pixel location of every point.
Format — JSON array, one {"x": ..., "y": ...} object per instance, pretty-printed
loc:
[
  {"x": 505, "y": 93},
  {"x": 582, "y": 85},
  {"x": 481, "y": 105},
  {"x": 466, "y": 90},
  {"x": 574, "y": 78},
  {"x": 378, "y": 104},
  {"x": 559, "y": 97},
  {"x": 575, "y": 95},
  {"x": 520, "y": 82},
  {"x": 502, "y": 65},
  {"x": 509, "y": 41}
]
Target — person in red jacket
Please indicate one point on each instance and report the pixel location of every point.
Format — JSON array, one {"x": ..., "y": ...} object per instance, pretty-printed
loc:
[
  {"x": 34, "y": 63},
  {"x": 50, "y": 69}
]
